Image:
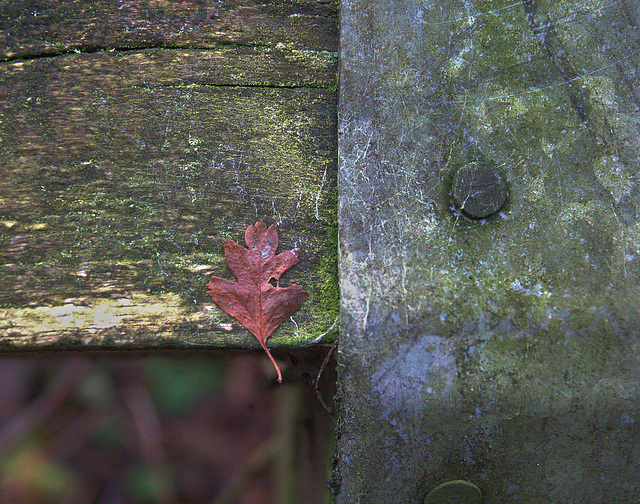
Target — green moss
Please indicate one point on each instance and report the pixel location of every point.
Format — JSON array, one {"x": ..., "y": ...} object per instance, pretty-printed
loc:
[{"x": 146, "y": 208}]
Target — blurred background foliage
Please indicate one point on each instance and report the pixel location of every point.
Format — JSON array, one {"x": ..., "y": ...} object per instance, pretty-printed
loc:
[{"x": 164, "y": 429}]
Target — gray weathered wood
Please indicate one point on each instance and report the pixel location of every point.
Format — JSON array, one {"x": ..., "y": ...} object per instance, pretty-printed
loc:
[
  {"x": 504, "y": 352},
  {"x": 135, "y": 137}
]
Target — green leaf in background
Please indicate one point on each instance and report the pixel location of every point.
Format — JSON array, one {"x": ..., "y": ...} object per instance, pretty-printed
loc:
[
  {"x": 29, "y": 468},
  {"x": 97, "y": 388},
  {"x": 150, "y": 484},
  {"x": 178, "y": 385}
]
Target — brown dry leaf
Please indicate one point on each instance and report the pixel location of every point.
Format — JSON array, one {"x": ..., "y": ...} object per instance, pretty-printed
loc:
[{"x": 257, "y": 304}]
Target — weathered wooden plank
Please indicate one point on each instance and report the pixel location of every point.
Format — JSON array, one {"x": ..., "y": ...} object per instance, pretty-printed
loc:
[
  {"x": 502, "y": 351},
  {"x": 124, "y": 172},
  {"x": 50, "y": 28}
]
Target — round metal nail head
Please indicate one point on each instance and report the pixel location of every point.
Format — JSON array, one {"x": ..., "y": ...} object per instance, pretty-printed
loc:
[
  {"x": 479, "y": 190},
  {"x": 454, "y": 492}
]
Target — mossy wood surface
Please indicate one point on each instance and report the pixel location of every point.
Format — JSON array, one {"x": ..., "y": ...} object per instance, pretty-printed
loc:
[
  {"x": 506, "y": 351},
  {"x": 135, "y": 137}
]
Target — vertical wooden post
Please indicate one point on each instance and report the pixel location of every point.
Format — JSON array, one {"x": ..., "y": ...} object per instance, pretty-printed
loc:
[{"x": 502, "y": 351}]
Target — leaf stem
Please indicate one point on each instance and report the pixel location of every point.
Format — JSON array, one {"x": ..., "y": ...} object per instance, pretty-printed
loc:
[{"x": 273, "y": 361}]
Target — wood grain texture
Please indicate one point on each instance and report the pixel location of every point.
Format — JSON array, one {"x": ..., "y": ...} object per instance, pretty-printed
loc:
[
  {"x": 134, "y": 139},
  {"x": 31, "y": 28}
]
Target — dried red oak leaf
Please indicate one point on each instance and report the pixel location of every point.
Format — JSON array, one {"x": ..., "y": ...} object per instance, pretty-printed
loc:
[{"x": 253, "y": 300}]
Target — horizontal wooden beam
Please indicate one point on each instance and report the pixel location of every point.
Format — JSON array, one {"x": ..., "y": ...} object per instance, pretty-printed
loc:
[{"x": 134, "y": 141}]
